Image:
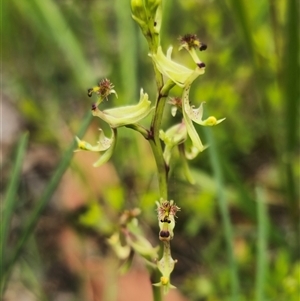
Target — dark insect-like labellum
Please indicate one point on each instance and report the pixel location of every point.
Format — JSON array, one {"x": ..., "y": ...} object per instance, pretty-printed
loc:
[
  {"x": 203, "y": 47},
  {"x": 94, "y": 107},
  {"x": 164, "y": 234}
]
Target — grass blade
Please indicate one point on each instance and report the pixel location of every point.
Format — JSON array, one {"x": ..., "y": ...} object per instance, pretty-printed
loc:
[
  {"x": 10, "y": 199},
  {"x": 223, "y": 207},
  {"x": 291, "y": 99},
  {"x": 261, "y": 263},
  {"x": 50, "y": 189},
  {"x": 46, "y": 17}
]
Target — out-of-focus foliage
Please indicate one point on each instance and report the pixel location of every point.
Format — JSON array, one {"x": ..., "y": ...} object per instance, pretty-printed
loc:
[{"x": 54, "y": 50}]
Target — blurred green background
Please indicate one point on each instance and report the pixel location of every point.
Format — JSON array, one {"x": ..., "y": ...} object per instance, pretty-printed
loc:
[{"x": 237, "y": 235}]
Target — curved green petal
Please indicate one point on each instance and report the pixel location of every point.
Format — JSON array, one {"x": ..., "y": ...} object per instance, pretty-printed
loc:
[
  {"x": 197, "y": 145},
  {"x": 104, "y": 144},
  {"x": 179, "y": 74},
  {"x": 126, "y": 115}
]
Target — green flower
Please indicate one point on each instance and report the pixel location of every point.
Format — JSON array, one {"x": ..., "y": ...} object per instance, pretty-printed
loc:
[
  {"x": 190, "y": 115},
  {"x": 174, "y": 136},
  {"x": 179, "y": 74},
  {"x": 179, "y": 133},
  {"x": 125, "y": 115},
  {"x": 104, "y": 144},
  {"x": 115, "y": 117}
]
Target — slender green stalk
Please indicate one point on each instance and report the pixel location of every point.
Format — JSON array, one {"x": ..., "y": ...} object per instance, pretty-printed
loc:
[
  {"x": 156, "y": 290},
  {"x": 223, "y": 206},
  {"x": 155, "y": 142},
  {"x": 261, "y": 263},
  {"x": 291, "y": 92},
  {"x": 48, "y": 192},
  {"x": 9, "y": 204}
]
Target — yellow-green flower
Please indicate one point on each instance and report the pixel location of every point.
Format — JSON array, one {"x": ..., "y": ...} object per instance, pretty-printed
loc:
[
  {"x": 174, "y": 136},
  {"x": 179, "y": 74},
  {"x": 125, "y": 115},
  {"x": 190, "y": 115},
  {"x": 104, "y": 144}
]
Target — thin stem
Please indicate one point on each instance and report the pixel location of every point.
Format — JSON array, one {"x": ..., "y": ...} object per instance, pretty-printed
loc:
[
  {"x": 162, "y": 168},
  {"x": 155, "y": 143},
  {"x": 139, "y": 129},
  {"x": 156, "y": 290},
  {"x": 154, "y": 140}
]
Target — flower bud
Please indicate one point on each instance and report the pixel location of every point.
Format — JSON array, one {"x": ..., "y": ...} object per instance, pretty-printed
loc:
[
  {"x": 152, "y": 5},
  {"x": 139, "y": 13}
]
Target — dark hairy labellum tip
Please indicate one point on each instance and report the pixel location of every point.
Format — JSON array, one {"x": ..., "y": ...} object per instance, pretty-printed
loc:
[
  {"x": 201, "y": 65},
  {"x": 203, "y": 47},
  {"x": 94, "y": 107}
]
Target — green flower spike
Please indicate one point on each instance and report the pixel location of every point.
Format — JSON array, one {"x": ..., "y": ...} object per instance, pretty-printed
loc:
[
  {"x": 121, "y": 116},
  {"x": 179, "y": 74},
  {"x": 104, "y": 144},
  {"x": 175, "y": 135}
]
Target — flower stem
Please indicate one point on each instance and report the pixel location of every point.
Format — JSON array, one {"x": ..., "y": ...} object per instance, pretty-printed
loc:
[{"x": 155, "y": 143}]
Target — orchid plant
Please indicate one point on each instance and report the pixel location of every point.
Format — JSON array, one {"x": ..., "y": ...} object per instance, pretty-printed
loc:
[{"x": 168, "y": 74}]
